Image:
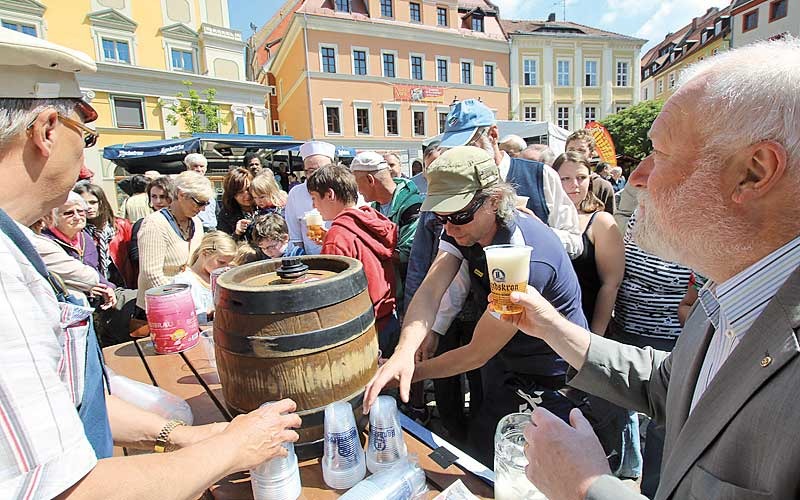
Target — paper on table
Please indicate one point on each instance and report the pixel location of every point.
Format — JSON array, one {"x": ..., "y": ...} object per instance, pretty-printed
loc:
[{"x": 456, "y": 491}]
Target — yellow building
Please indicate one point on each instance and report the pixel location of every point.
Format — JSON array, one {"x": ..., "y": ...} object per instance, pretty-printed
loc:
[
  {"x": 380, "y": 74},
  {"x": 144, "y": 50},
  {"x": 704, "y": 37},
  {"x": 570, "y": 74}
]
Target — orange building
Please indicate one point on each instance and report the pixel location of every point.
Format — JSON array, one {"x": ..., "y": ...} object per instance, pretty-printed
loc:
[{"x": 380, "y": 74}]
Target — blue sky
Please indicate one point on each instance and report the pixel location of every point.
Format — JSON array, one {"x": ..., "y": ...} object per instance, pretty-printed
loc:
[{"x": 649, "y": 19}]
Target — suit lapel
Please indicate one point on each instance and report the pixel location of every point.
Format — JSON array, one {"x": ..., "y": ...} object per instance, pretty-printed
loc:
[{"x": 767, "y": 346}]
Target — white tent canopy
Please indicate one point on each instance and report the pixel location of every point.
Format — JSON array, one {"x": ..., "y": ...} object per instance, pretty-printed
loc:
[{"x": 532, "y": 132}]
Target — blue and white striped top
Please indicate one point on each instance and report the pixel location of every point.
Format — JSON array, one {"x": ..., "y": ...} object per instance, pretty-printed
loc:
[{"x": 734, "y": 305}]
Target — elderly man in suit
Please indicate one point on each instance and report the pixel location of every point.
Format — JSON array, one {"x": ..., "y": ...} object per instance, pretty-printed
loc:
[{"x": 717, "y": 195}]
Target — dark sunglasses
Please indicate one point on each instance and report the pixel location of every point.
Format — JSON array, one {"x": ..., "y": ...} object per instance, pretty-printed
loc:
[
  {"x": 200, "y": 203},
  {"x": 464, "y": 216}
]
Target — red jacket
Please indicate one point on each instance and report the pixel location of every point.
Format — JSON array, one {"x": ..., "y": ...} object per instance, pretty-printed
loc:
[
  {"x": 365, "y": 234},
  {"x": 118, "y": 248}
]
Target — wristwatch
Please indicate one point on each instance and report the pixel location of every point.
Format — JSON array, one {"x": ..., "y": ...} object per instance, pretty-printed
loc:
[{"x": 162, "y": 440}]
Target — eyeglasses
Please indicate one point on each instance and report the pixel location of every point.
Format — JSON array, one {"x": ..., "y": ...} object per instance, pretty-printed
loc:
[
  {"x": 275, "y": 245},
  {"x": 200, "y": 203},
  {"x": 464, "y": 216},
  {"x": 90, "y": 135},
  {"x": 72, "y": 213}
]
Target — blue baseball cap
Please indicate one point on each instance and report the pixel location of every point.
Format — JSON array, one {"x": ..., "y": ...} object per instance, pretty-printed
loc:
[{"x": 464, "y": 119}]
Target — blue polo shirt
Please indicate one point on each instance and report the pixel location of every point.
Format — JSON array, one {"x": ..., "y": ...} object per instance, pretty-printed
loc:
[{"x": 551, "y": 273}]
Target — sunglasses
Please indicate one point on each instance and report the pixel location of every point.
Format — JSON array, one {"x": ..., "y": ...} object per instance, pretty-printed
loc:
[
  {"x": 72, "y": 213},
  {"x": 90, "y": 135},
  {"x": 464, "y": 216},
  {"x": 200, "y": 203}
]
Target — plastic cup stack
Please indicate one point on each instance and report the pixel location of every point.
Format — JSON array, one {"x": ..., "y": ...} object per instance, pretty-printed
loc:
[
  {"x": 277, "y": 479},
  {"x": 207, "y": 339},
  {"x": 343, "y": 463},
  {"x": 403, "y": 481},
  {"x": 386, "y": 445}
]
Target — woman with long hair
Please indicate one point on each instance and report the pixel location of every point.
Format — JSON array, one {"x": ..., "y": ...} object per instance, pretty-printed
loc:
[
  {"x": 111, "y": 234},
  {"x": 602, "y": 264},
  {"x": 238, "y": 207}
]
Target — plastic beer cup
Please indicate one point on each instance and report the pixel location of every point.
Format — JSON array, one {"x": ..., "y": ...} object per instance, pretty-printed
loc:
[
  {"x": 509, "y": 267},
  {"x": 315, "y": 224}
]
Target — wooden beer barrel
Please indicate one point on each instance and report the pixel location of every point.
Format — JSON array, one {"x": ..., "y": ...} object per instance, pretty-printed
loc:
[{"x": 312, "y": 340}]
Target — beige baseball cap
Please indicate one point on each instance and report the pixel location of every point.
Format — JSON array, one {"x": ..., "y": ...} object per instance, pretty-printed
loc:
[
  {"x": 33, "y": 68},
  {"x": 455, "y": 177}
]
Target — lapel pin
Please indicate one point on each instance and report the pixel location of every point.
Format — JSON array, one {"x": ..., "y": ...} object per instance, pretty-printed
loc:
[{"x": 766, "y": 361}]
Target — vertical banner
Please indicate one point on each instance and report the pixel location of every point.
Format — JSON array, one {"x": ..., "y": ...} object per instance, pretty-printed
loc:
[{"x": 603, "y": 142}]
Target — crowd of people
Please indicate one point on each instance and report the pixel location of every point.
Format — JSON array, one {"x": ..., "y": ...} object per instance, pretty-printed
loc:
[{"x": 701, "y": 236}]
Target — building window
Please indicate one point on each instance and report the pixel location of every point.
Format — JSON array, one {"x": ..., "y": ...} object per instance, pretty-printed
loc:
[
  {"x": 715, "y": 52},
  {"x": 28, "y": 29},
  {"x": 671, "y": 79},
  {"x": 414, "y": 12},
  {"x": 704, "y": 37},
  {"x": 359, "y": 62},
  {"x": 388, "y": 65},
  {"x": 717, "y": 28},
  {"x": 466, "y": 72},
  {"x": 182, "y": 60},
  {"x": 203, "y": 119},
  {"x": 441, "y": 70},
  {"x": 589, "y": 114},
  {"x": 128, "y": 112},
  {"x": 750, "y": 21},
  {"x": 563, "y": 78},
  {"x": 562, "y": 117},
  {"x": 441, "y": 16},
  {"x": 646, "y": 94},
  {"x": 530, "y": 113},
  {"x": 442, "y": 122},
  {"x": 116, "y": 51},
  {"x": 778, "y": 10},
  {"x": 477, "y": 23},
  {"x": 529, "y": 72},
  {"x": 590, "y": 74},
  {"x": 276, "y": 127},
  {"x": 392, "y": 124},
  {"x": 342, "y": 5},
  {"x": 386, "y": 8},
  {"x": 659, "y": 86},
  {"x": 333, "y": 120},
  {"x": 362, "y": 121},
  {"x": 620, "y": 107},
  {"x": 419, "y": 123},
  {"x": 488, "y": 74},
  {"x": 622, "y": 73},
  {"x": 328, "y": 59},
  {"x": 416, "y": 67},
  {"x": 646, "y": 73}
]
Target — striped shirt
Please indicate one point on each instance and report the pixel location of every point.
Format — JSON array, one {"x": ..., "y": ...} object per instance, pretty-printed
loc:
[
  {"x": 651, "y": 289},
  {"x": 733, "y": 306},
  {"x": 43, "y": 449}
]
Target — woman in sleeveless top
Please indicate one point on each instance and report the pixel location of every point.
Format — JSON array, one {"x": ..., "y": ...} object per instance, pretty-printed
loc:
[{"x": 602, "y": 264}]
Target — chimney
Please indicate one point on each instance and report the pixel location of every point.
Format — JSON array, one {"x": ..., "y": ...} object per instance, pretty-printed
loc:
[
  {"x": 551, "y": 18},
  {"x": 694, "y": 23}
]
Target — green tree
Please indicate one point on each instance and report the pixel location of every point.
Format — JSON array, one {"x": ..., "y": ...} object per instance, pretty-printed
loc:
[
  {"x": 629, "y": 128},
  {"x": 198, "y": 110}
]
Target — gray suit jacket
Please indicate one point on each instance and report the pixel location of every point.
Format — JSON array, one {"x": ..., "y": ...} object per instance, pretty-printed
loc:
[{"x": 741, "y": 441}]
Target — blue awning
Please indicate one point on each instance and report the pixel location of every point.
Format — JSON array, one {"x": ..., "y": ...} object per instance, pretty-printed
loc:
[
  {"x": 273, "y": 142},
  {"x": 149, "y": 149}
]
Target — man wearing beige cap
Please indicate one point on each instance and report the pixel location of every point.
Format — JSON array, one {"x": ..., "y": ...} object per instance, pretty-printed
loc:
[
  {"x": 477, "y": 209},
  {"x": 396, "y": 198},
  {"x": 56, "y": 422},
  {"x": 315, "y": 154}
]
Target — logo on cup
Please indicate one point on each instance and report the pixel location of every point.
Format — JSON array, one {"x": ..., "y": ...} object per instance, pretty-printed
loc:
[{"x": 498, "y": 275}]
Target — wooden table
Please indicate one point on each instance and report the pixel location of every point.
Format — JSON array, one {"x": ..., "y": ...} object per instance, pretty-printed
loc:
[{"x": 191, "y": 376}]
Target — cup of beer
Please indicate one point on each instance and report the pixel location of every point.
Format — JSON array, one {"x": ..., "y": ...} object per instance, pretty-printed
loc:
[
  {"x": 315, "y": 224},
  {"x": 509, "y": 267}
]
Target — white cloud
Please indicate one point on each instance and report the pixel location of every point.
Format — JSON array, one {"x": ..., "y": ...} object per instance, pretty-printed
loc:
[{"x": 608, "y": 18}]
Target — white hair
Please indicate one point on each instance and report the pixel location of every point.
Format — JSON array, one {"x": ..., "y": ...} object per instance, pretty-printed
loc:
[
  {"x": 754, "y": 93},
  {"x": 513, "y": 143},
  {"x": 617, "y": 170},
  {"x": 16, "y": 114},
  {"x": 193, "y": 184},
  {"x": 194, "y": 159},
  {"x": 73, "y": 199}
]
